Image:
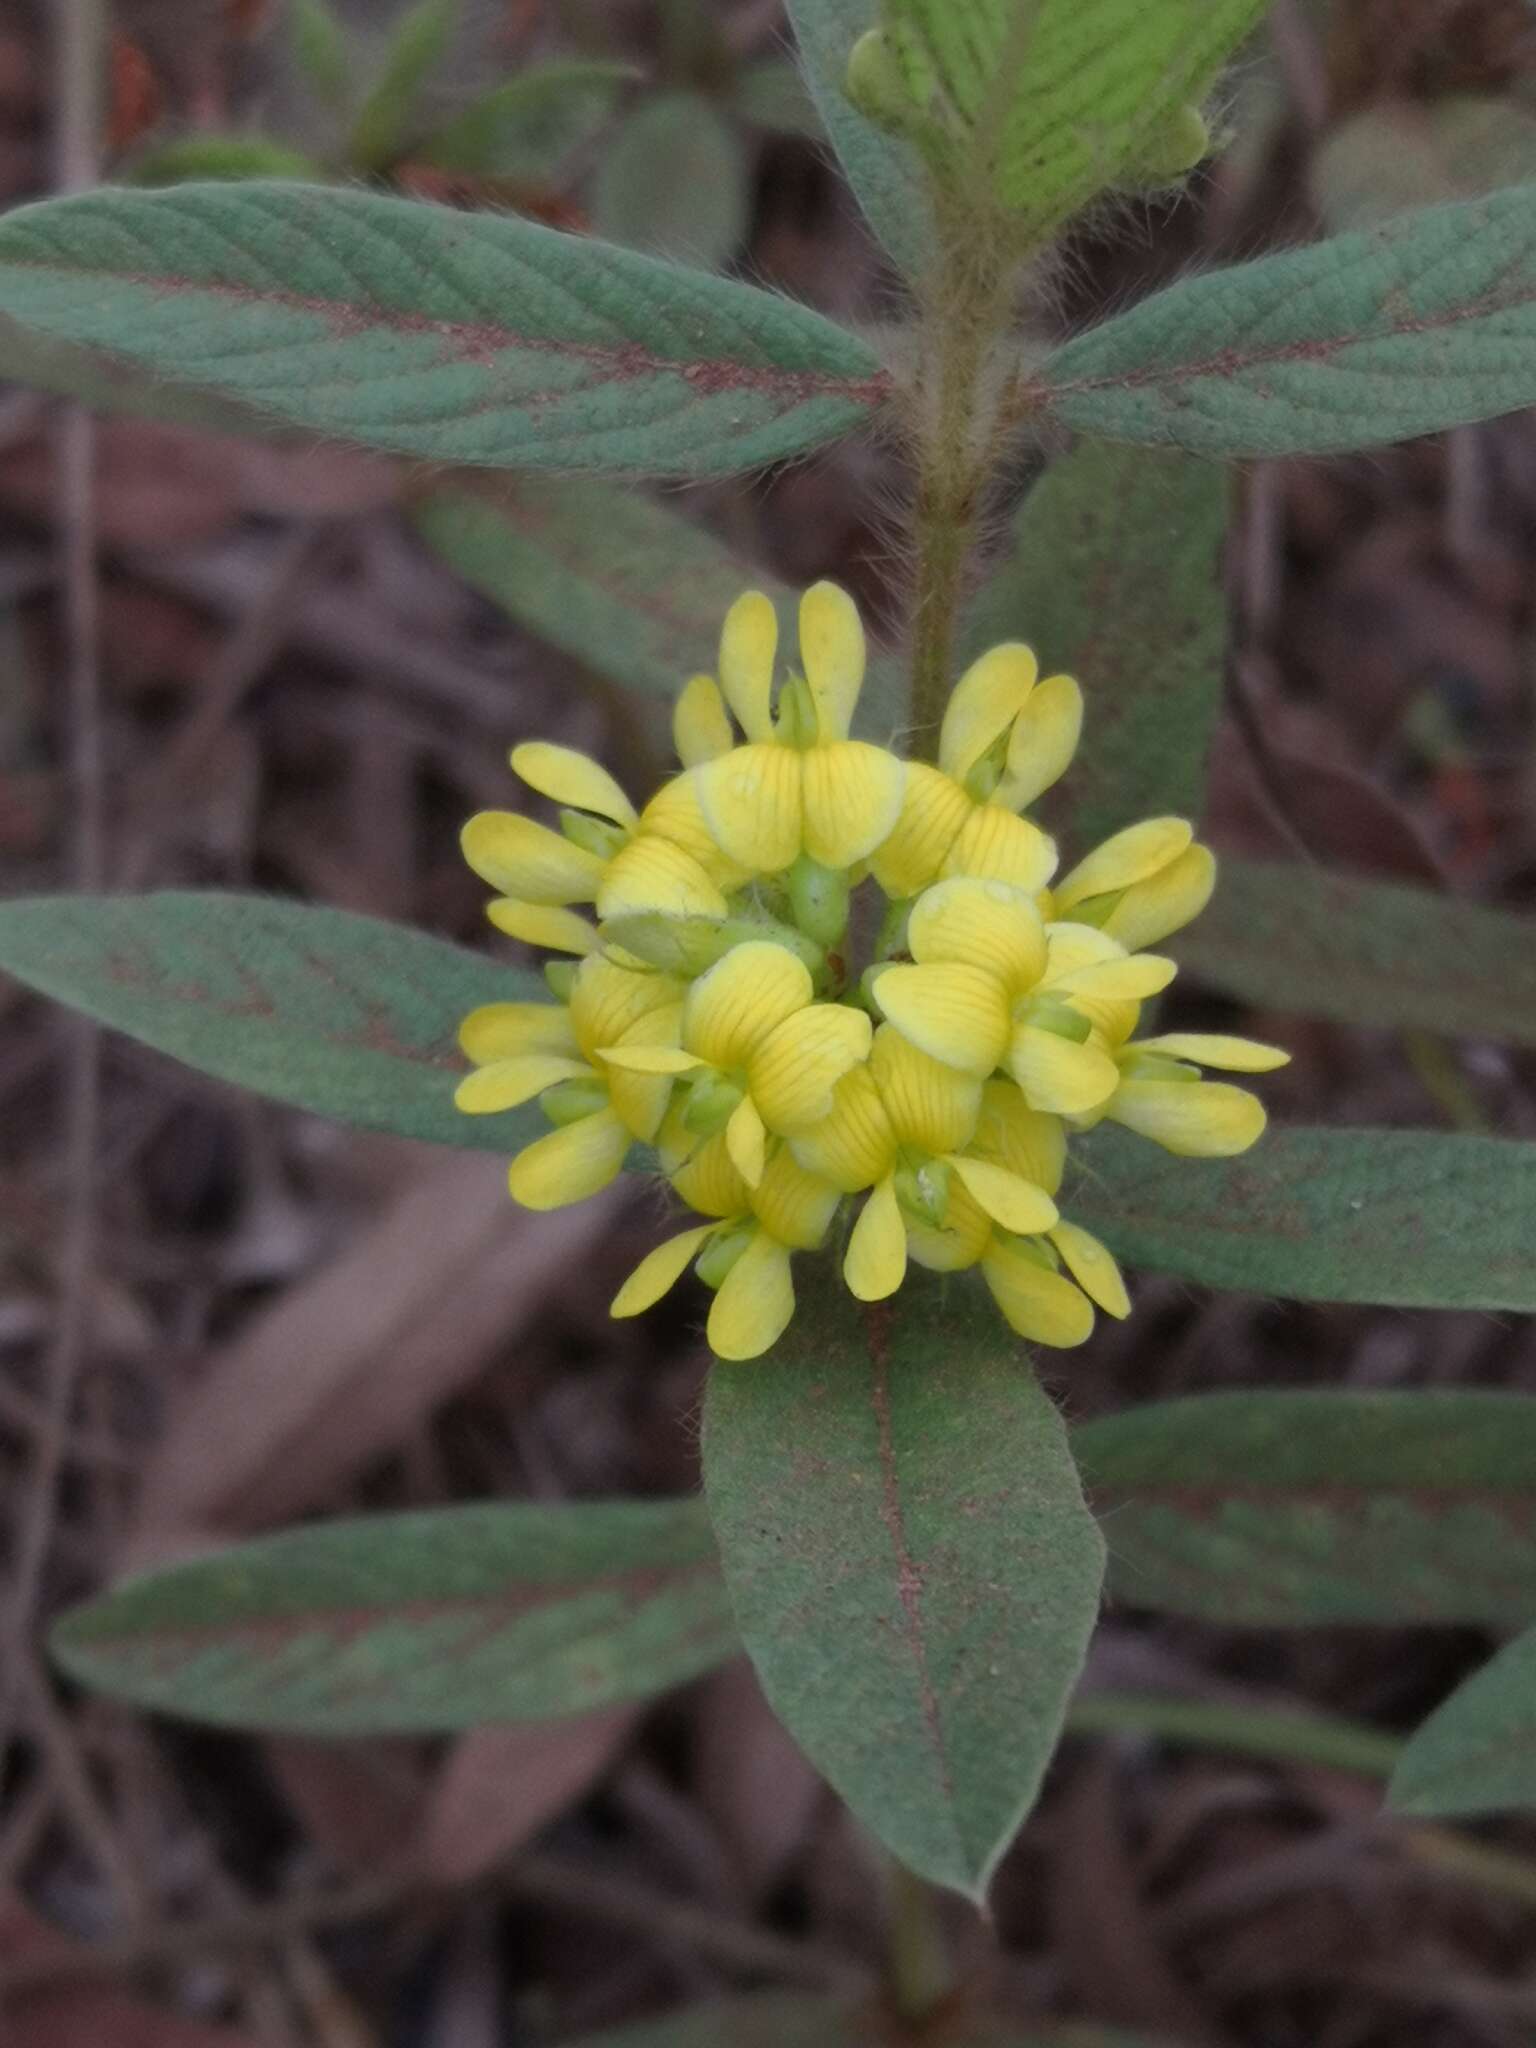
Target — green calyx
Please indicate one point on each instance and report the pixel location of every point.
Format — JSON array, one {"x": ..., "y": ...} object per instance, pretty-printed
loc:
[
  {"x": 712, "y": 1101},
  {"x": 818, "y": 900},
  {"x": 690, "y": 946},
  {"x": 722, "y": 1252},
  {"x": 569, "y": 1101}
]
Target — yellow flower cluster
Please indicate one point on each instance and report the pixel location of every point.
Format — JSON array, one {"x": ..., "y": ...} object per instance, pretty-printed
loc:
[{"x": 713, "y": 1013}]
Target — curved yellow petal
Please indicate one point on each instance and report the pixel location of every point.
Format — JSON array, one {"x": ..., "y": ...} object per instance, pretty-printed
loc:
[
  {"x": 1093, "y": 1267},
  {"x": 1059, "y": 1075},
  {"x": 1196, "y": 1119},
  {"x": 927, "y": 1105},
  {"x": 746, "y": 1140},
  {"x": 1043, "y": 741},
  {"x": 653, "y": 876},
  {"x": 749, "y": 641},
  {"x": 1213, "y": 1049},
  {"x": 701, "y": 1169},
  {"x": 752, "y": 802},
  {"x": 567, "y": 777},
  {"x": 875, "y": 1263},
  {"x": 701, "y": 726},
  {"x": 853, "y": 1146},
  {"x": 1029, "y": 1142},
  {"x": 984, "y": 703},
  {"x": 1129, "y": 857},
  {"x": 792, "y": 1205},
  {"x": 832, "y": 656},
  {"x": 675, "y": 813},
  {"x": 852, "y": 798},
  {"x": 641, "y": 1095},
  {"x": 569, "y": 1164},
  {"x": 523, "y": 858},
  {"x": 956, "y": 1013},
  {"x": 794, "y": 1070},
  {"x": 542, "y": 924},
  {"x": 755, "y": 1303},
  {"x": 648, "y": 1059},
  {"x": 1014, "y": 1203},
  {"x": 1129, "y": 980},
  {"x": 984, "y": 924},
  {"x": 996, "y": 846},
  {"x": 505, "y": 1084},
  {"x": 1164, "y": 902},
  {"x": 729, "y": 1011},
  {"x": 1040, "y": 1305},
  {"x": 496, "y": 1031},
  {"x": 658, "y": 1272},
  {"x": 933, "y": 809}
]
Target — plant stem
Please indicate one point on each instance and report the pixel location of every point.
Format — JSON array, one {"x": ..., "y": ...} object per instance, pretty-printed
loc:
[
  {"x": 920, "y": 1974},
  {"x": 964, "y": 308}
]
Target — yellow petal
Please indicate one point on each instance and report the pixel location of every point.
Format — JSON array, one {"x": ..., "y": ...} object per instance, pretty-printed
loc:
[
  {"x": 998, "y": 847},
  {"x": 701, "y": 1169},
  {"x": 1196, "y": 1119},
  {"x": 701, "y": 727},
  {"x": 641, "y": 1098},
  {"x": 966, "y": 1233},
  {"x": 1029, "y": 1142},
  {"x": 957, "y": 1014},
  {"x": 1131, "y": 979},
  {"x": 875, "y": 1263},
  {"x": 1042, "y": 1306},
  {"x": 749, "y": 640},
  {"x": 852, "y": 798},
  {"x": 1092, "y": 1266},
  {"x": 566, "y": 777},
  {"x": 832, "y": 656},
  {"x": 648, "y": 1059},
  {"x": 658, "y": 1272},
  {"x": 927, "y": 1105},
  {"x": 984, "y": 924},
  {"x": 792, "y": 1205},
  {"x": 746, "y": 1139},
  {"x": 608, "y": 1001},
  {"x": 504, "y": 1084},
  {"x": 1130, "y": 856},
  {"x": 853, "y": 1146},
  {"x": 984, "y": 703},
  {"x": 525, "y": 859},
  {"x": 1058, "y": 1075},
  {"x": 542, "y": 924},
  {"x": 933, "y": 809},
  {"x": 1213, "y": 1049},
  {"x": 650, "y": 876},
  {"x": 730, "y": 1010},
  {"x": 796, "y": 1067},
  {"x": 1166, "y": 901},
  {"x": 1014, "y": 1203},
  {"x": 1042, "y": 743},
  {"x": 751, "y": 799},
  {"x": 756, "y": 1300},
  {"x": 570, "y": 1163},
  {"x": 498, "y": 1030},
  {"x": 675, "y": 813}
]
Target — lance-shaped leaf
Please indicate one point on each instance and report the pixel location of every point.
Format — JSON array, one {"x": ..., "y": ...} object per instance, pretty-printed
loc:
[
  {"x": 441, "y": 1619},
  {"x": 457, "y": 337},
  {"x": 912, "y": 1567},
  {"x": 1113, "y": 574},
  {"x": 348, "y": 1016},
  {"x": 1364, "y": 952},
  {"x": 673, "y": 181},
  {"x": 1411, "y": 1219},
  {"x": 886, "y": 174},
  {"x": 1477, "y": 1752},
  {"x": 524, "y": 128},
  {"x": 1424, "y": 323},
  {"x": 1303, "y": 1509}
]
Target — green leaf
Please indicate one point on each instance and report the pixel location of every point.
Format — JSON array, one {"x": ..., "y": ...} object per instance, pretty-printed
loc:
[
  {"x": 1399, "y": 154},
  {"x": 405, "y": 1623},
  {"x": 1040, "y": 104},
  {"x": 1305, "y": 1509},
  {"x": 320, "y": 50},
  {"x": 886, "y": 174},
  {"x": 525, "y": 129},
  {"x": 1409, "y": 1219},
  {"x": 108, "y": 386},
  {"x": 417, "y": 45},
  {"x": 772, "y": 94},
  {"x": 1477, "y": 1752},
  {"x": 222, "y": 156},
  {"x": 347, "y": 1016},
  {"x": 470, "y": 338},
  {"x": 1378, "y": 954},
  {"x": 673, "y": 182},
  {"x": 1427, "y": 322},
  {"x": 1114, "y": 575},
  {"x": 911, "y": 1563}
]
